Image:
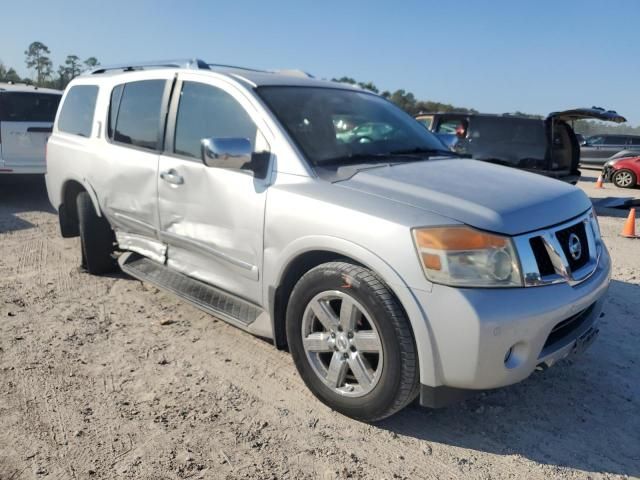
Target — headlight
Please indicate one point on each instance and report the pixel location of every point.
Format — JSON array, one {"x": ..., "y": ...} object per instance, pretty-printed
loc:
[{"x": 465, "y": 257}]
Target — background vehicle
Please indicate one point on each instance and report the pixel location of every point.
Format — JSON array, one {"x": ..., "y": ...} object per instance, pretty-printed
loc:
[
  {"x": 384, "y": 267},
  {"x": 597, "y": 149},
  {"x": 521, "y": 142},
  {"x": 367, "y": 132},
  {"x": 26, "y": 118},
  {"x": 624, "y": 173}
]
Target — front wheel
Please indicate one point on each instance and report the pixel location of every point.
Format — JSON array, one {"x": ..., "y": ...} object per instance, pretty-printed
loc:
[
  {"x": 351, "y": 341},
  {"x": 624, "y": 179}
]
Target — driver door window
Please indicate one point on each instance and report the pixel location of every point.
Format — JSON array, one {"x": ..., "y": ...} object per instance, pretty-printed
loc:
[{"x": 205, "y": 111}]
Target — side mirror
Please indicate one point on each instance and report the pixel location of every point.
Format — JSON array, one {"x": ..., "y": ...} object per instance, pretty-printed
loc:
[{"x": 226, "y": 152}]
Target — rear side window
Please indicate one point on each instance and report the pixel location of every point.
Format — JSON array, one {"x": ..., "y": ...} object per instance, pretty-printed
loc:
[
  {"x": 76, "y": 116},
  {"x": 635, "y": 141},
  {"x": 138, "y": 118},
  {"x": 116, "y": 95},
  {"x": 614, "y": 140},
  {"x": 28, "y": 107}
]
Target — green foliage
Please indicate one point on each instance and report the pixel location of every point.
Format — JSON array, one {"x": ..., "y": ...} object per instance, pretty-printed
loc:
[
  {"x": 8, "y": 75},
  {"x": 91, "y": 62},
  {"x": 406, "y": 100},
  {"x": 592, "y": 127},
  {"x": 37, "y": 58}
]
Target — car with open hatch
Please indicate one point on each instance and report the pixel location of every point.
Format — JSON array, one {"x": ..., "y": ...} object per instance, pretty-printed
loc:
[
  {"x": 546, "y": 146},
  {"x": 390, "y": 269}
]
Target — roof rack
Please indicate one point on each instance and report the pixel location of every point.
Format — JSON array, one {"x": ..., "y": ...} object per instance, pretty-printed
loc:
[
  {"x": 191, "y": 63},
  {"x": 235, "y": 67}
]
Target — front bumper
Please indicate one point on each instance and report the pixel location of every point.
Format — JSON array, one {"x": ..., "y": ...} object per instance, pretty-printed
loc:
[{"x": 488, "y": 338}]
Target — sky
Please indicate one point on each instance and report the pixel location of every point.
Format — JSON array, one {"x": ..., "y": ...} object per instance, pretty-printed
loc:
[{"x": 495, "y": 56}]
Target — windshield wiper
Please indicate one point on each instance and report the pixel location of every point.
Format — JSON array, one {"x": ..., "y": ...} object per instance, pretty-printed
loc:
[
  {"x": 356, "y": 158},
  {"x": 428, "y": 152},
  {"x": 413, "y": 153}
]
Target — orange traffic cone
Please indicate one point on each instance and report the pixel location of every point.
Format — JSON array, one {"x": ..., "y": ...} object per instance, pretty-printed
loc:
[
  {"x": 629, "y": 229},
  {"x": 599, "y": 182}
]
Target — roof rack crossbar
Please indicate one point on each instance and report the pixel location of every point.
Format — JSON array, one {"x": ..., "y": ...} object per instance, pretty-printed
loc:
[{"x": 191, "y": 63}]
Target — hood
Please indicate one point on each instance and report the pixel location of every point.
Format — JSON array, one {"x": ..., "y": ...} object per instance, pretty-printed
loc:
[
  {"x": 584, "y": 113},
  {"x": 489, "y": 197}
]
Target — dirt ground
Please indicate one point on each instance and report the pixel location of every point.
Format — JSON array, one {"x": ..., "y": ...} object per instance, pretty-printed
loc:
[{"x": 109, "y": 378}]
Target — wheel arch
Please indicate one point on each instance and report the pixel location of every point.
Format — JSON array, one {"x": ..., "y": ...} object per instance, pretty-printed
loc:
[
  {"x": 309, "y": 252},
  {"x": 68, "y": 211}
]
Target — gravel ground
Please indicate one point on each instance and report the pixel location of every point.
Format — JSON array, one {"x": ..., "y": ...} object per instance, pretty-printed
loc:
[{"x": 108, "y": 378}]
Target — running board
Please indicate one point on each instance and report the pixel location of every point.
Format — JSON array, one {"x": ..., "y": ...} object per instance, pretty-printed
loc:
[{"x": 210, "y": 299}]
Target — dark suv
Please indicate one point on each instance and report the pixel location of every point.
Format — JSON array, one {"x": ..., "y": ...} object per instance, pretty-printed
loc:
[
  {"x": 597, "y": 149},
  {"x": 517, "y": 141}
]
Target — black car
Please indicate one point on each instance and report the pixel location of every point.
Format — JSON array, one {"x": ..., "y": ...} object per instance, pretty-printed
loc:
[{"x": 547, "y": 146}]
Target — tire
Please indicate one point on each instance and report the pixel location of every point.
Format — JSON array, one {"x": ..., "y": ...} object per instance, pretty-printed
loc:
[
  {"x": 624, "y": 178},
  {"x": 96, "y": 238},
  {"x": 378, "y": 323}
]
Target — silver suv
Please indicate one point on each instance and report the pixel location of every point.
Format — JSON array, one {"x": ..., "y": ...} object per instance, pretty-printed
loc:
[{"x": 389, "y": 268}]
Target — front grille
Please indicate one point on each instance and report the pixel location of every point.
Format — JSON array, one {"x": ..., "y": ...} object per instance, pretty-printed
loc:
[
  {"x": 542, "y": 257},
  {"x": 563, "y": 237},
  {"x": 566, "y": 327}
]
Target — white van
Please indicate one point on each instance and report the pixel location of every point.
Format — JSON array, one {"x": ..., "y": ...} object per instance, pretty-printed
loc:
[{"x": 26, "y": 119}]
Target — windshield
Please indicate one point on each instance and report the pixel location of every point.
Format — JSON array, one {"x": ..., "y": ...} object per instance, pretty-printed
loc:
[{"x": 333, "y": 126}]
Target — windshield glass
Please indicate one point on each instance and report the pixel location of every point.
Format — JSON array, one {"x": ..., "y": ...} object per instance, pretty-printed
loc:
[{"x": 333, "y": 126}]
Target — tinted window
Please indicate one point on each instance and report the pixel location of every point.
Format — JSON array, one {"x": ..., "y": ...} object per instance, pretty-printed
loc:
[
  {"x": 28, "y": 107},
  {"x": 138, "y": 118},
  {"x": 425, "y": 120},
  {"x": 453, "y": 126},
  {"x": 76, "y": 115},
  {"x": 614, "y": 140},
  {"x": 311, "y": 115},
  {"x": 519, "y": 142},
  {"x": 595, "y": 140},
  {"x": 208, "y": 112},
  {"x": 114, "y": 104},
  {"x": 635, "y": 141}
]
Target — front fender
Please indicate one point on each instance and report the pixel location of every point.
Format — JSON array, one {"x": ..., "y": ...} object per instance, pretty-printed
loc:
[{"x": 277, "y": 264}]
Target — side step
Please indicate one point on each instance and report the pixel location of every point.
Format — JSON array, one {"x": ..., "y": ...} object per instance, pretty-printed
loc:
[{"x": 210, "y": 299}]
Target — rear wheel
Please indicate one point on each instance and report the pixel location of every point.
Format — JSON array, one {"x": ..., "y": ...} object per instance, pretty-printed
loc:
[
  {"x": 96, "y": 238},
  {"x": 624, "y": 179},
  {"x": 351, "y": 342}
]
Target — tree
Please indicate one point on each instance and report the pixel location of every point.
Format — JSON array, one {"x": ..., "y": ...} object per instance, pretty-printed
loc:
[
  {"x": 63, "y": 77},
  {"x": 37, "y": 58},
  {"x": 73, "y": 66},
  {"x": 12, "y": 76},
  {"x": 91, "y": 62},
  {"x": 9, "y": 75},
  {"x": 367, "y": 86}
]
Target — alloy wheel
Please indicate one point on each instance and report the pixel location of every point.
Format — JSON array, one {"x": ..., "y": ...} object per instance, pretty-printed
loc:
[{"x": 342, "y": 343}]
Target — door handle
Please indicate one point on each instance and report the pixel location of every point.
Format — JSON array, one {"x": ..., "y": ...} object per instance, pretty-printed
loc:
[{"x": 171, "y": 176}]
